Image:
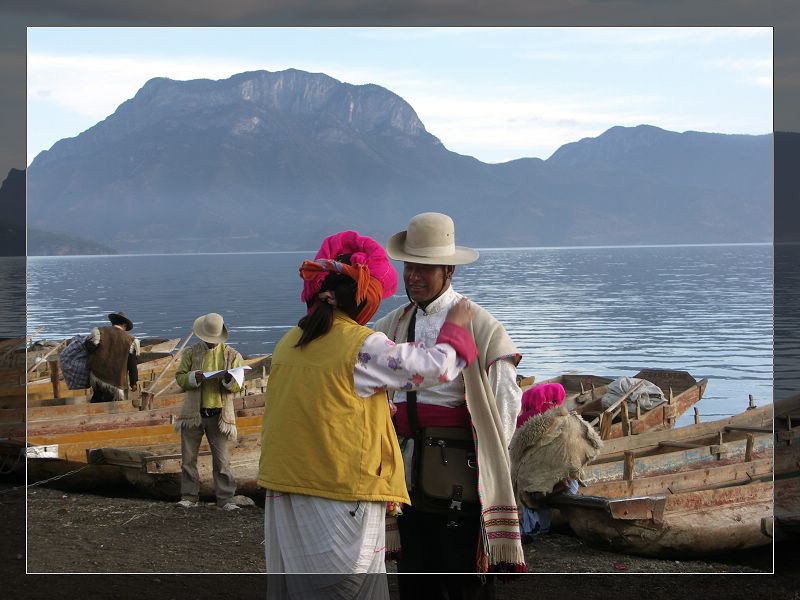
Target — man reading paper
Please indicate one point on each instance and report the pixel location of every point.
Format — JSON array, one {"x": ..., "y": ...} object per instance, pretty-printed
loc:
[{"x": 208, "y": 409}]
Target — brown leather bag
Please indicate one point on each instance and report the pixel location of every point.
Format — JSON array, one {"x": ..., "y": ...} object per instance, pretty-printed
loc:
[{"x": 445, "y": 472}]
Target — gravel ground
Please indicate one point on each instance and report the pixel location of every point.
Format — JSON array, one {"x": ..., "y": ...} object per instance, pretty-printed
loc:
[{"x": 69, "y": 532}]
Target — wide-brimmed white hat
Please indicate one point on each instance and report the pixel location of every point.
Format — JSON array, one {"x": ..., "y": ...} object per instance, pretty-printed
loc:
[
  {"x": 210, "y": 328},
  {"x": 430, "y": 240}
]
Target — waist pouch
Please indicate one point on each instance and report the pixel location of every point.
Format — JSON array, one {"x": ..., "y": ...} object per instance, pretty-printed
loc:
[{"x": 446, "y": 472}]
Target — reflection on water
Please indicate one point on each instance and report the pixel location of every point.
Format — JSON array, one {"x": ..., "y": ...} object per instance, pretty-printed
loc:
[{"x": 609, "y": 311}]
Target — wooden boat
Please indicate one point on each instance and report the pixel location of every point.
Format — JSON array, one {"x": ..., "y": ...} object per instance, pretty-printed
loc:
[
  {"x": 700, "y": 489},
  {"x": 703, "y": 511},
  {"x": 745, "y": 436},
  {"x": 787, "y": 467},
  {"x": 584, "y": 394},
  {"x": 156, "y": 469},
  {"x": 70, "y": 438},
  {"x": 36, "y": 363}
]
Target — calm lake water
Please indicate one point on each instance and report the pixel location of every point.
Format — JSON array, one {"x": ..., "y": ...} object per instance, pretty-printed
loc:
[{"x": 606, "y": 311}]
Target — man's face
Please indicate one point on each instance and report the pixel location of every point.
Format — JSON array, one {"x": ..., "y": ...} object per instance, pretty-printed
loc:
[{"x": 424, "y": 282}]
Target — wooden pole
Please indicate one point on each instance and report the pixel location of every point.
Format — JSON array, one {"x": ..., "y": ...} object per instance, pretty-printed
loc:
[
  {"x": 53, "y": 349},
  {"x": 607, "y": 415},
  {"x": 670, "y": 420},
  {"x": 748, "y": 451},
  {"x": 696, "y": 415},
  {"x": 148, "y": 394},
  {"x": 52, "y": 366},
  {"x": 626, "y": 419},
  {"x": 628, "y": 464}
]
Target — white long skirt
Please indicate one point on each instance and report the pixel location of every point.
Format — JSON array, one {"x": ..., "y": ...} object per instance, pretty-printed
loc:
[{"x": 343, "y": 543}]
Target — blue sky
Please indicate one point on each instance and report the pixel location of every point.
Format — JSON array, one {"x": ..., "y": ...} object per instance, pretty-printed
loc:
[{"x": 493, "y": 93}]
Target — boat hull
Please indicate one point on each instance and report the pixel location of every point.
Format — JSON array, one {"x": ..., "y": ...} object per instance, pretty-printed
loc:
[{"x": 687, "y": 524}]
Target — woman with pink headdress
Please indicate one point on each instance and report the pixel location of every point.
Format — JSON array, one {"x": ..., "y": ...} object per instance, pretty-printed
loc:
[
  {"x": 536, "y": 400},
  {"x": 330, "y": 460}
]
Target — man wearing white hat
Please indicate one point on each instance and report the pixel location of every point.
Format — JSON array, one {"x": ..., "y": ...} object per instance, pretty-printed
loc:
[
  {"x": 486, "y": 400},
  {"x": 208, "y": 409}
]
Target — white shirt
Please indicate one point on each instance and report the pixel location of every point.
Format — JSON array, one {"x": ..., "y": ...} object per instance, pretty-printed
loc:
[{"x": 502, "y": 374}]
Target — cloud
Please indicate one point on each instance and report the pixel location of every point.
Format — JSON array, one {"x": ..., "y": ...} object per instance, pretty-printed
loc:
[
  {"x": 674, "y": 35},
  {"x": 93, "y": 85},
  {"x": 495, "y": 129},
  {"x": 753, "y": 71}
]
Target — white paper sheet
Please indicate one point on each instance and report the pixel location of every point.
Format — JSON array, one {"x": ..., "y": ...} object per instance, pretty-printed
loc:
[{"x": 237, "y": 373}]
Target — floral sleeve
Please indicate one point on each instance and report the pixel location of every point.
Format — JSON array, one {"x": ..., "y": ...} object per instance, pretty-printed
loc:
[{"x": 384, "y": 365}]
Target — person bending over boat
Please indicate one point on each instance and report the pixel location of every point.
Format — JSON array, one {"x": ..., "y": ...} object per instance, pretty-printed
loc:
[
  {"x": 330, "y": 461},
  {"x": 112, "y": 359},
  {"x": 208, "y": 408},
  {"x": 485, "y": 400}
]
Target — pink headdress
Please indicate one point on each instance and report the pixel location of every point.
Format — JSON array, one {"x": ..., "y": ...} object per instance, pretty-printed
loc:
[
  {"x": 540, "y": 398},
  {"x": 369, "y": 267}
]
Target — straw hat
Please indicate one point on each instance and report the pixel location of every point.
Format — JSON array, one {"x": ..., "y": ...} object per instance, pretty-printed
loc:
[
  {"x": 210, "y": 328},
  {"x": 120, "y": 318},
  {"x": 430, "y": 240}
]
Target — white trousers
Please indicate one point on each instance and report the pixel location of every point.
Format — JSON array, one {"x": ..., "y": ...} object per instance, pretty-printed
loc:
[{"x": 343, "y": 543}]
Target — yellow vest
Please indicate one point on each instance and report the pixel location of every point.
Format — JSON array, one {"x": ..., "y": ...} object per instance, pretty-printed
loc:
[{"x": 319, "y": 438}]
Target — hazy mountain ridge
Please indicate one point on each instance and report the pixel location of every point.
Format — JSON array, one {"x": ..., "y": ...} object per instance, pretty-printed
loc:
[{"x": 265, "y": 161}]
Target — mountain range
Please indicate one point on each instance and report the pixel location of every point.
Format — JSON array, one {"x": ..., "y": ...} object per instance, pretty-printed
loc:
[{"x": 277, "y": 160}]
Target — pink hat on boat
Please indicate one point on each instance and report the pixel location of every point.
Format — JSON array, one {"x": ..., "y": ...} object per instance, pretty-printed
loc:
[
  {"x": 540, "y": 398},
  {"x": 363, "y": 250}
]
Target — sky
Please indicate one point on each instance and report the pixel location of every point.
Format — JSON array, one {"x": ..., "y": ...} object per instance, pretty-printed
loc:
[{"x": 497, "y": 94}]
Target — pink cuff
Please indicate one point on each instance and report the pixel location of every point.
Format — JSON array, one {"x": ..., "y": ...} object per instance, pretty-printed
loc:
[{"x": 460, "y": 339}]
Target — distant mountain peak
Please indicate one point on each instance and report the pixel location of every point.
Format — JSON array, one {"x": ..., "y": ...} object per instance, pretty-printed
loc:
[
  {"x": 363, "y": 107},
  {"x": 277, "y": 160},
  {"x": 245, "y": 102}
]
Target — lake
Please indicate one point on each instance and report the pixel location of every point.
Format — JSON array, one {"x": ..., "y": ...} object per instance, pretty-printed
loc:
[{"x": 607, "y": 311}]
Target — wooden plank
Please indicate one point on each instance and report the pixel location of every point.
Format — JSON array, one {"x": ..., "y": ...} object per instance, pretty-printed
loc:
[
  {"x": 749, "y": 428},
  {"x": 129, "y": 433},
  {"x": 669, "y": 444},
  {"x": 649, "y": 440},
  {"x": 48, "y": 413},
  {"x": 701, "y": 478},
  {"x": 111, "y": 421},
  {"x": 678, "y": 461},
  {"x": 74, "y": 445}
]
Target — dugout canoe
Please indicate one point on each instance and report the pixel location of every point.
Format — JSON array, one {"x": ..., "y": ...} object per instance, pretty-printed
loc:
[
  {"x": 584, "y": 394},
  {"x": 705, "y": 511}
]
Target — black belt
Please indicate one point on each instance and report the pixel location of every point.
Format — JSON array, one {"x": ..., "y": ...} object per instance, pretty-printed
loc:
[{"x": 210, "y": 412}]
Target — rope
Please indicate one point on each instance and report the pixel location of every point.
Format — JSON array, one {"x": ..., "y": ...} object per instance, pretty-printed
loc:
[{"x": 54, "y": 478}]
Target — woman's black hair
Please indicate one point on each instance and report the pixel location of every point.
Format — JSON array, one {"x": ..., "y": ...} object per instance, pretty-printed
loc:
[{"x": 319, "y": 322}]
